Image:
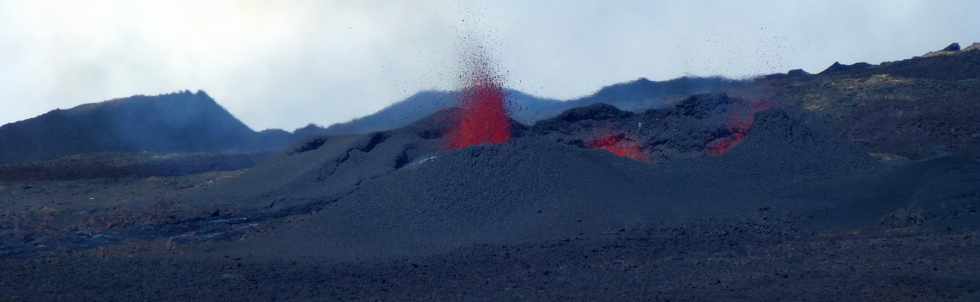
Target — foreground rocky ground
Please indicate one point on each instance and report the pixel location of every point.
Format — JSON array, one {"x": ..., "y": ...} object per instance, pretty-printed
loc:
[
  {"x": 710, "y": 261},
  {"x": 119, "y": 245}
]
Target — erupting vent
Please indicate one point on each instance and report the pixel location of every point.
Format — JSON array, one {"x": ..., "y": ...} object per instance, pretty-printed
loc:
[{"x": 483, "y": 118}]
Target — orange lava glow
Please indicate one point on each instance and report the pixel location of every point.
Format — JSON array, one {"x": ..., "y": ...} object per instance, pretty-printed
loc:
[
  {"x": 740, "y": 121},
  {"x": 483, "y": 119},
  {"x": 620, "y": 146}
]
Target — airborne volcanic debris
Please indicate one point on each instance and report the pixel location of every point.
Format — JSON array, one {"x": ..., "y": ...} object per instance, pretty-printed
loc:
[{"x": 483, "y": 118}]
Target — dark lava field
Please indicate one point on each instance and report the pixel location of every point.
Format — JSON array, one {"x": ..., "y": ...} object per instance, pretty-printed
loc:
[{"x": 790, "y": 187}]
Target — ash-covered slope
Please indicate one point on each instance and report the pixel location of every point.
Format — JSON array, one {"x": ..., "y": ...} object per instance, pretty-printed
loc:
[
  {"x": 950, "y": 63},
  {"x": 915, "y": 108},
  {"x": 178, "y": 122},
  {"x": 537, "y": 187},
  {"x": 321, "y": 169}
]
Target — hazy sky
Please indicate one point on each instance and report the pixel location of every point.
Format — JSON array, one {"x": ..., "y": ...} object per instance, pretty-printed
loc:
[{"x": 286, "y": 63}]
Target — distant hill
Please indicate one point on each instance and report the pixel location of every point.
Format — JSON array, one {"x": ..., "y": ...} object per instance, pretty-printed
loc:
[
  {"x": 523, "y": 107},
  {"x": 177, "y": 122},
  {"x": 637, "y": 95},
  {"x": 913, "y": 108},
  {"x": 643, "y": 94},
  {"x": 953, "y": 71}
]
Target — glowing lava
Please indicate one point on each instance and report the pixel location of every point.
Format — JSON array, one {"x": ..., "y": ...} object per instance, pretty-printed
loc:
[
  {"x": 740, "y": 121},
  {"x": 483, "y": 117},
  {"x": 620, "y": 146}
]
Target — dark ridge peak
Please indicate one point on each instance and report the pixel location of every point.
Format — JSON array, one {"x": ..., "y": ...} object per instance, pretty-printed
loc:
[
  {"x": 837, "y": 67},
  {"x": 180, "y": 121},
  {"x": 199, "y": 95},
  {"x": 792, "y": 74},
  {"x": 952, "y": 47},
  {"x": 310, "y": 126},
  {"x": 310, "y": 130},
  {"x": 274, "y": 131},
  {"x": 164, "y": 102},
  {"x": 644, "y": 86},
  {"x": 797, "y": 73}
]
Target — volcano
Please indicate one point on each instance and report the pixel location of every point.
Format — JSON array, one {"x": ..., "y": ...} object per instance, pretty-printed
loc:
[{"x": 856, "y": 184}]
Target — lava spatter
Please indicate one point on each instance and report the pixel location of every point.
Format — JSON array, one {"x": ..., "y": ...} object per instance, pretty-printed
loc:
[
  {"x": 483, "y": 118},
  {"x": 621, "y": 146},
  {"x": 740, "y": 122}
]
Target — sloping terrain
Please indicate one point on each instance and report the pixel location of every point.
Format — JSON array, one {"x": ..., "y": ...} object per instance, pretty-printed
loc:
[
  {"x": 915, "y": 108},
  {"x": 179, "y": 122},
  {"x": 126, "y": 165}
]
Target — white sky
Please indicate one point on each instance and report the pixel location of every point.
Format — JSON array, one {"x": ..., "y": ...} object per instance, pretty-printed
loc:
[{"x": 283, "y": 64}]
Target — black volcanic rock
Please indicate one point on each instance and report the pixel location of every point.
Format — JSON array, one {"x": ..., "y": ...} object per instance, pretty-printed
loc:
[
  {"x": 684, "y": 130},
  {"x": 177, "y": 122},
  {"x": 310, "y": 130},
  {"x": 952, "y": 47},
  {"x": 596, "y": 112},
  {"x": 797, "y": 73},
  {"x": 838, "y": 68}
]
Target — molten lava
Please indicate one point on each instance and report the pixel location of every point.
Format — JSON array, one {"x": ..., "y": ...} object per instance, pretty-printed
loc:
[
  {"x": 620, "y": 146},
  {"x": 740, "y": 121},
  {"x": 483, "y": 118}
]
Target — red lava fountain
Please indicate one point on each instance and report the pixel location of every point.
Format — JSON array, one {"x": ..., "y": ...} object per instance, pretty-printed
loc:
[
  {"x": 483, "y": 118},
  {"x": 620, "y": 146},
  {"x": 740, "y": 121}
]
